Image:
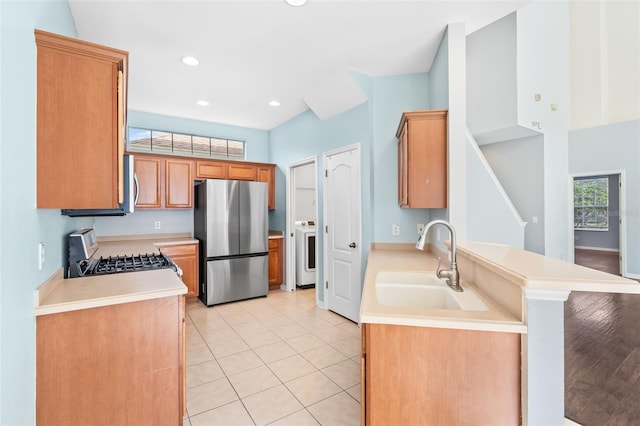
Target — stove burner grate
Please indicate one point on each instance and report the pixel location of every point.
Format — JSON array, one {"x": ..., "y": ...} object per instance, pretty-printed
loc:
[{"x": 133, "y": 263}]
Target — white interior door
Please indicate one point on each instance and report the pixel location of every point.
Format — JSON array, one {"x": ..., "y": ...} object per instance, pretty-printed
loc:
[{"x": 343, "y": 287}]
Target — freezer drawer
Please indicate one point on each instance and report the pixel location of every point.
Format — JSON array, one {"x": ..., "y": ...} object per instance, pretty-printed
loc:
[{"x": 237, "y": 278}]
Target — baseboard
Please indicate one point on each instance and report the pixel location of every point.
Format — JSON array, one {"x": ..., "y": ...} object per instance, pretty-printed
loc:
[{"x": 597, "y": 249}]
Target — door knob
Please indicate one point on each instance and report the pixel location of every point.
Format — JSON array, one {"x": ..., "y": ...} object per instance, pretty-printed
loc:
[{"x": 352, "y": 245}]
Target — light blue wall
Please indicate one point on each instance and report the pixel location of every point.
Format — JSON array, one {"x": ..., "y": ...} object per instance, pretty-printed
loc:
[
  {"x": 22, "y": 226},
  {"x": 610, "y": 148},
  {"x": 391, "y": 97},
  {"x": 257, "y": 141},
  {"x": 179, "y": 221},
  {"x": 373, "y": 125},
  {"x": 306, "y": 136}
]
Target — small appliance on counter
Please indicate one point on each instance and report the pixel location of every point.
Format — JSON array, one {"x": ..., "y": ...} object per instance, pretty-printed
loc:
[
  {"x": 231, "y": 223},
  {"x": 83, "y": 245}
]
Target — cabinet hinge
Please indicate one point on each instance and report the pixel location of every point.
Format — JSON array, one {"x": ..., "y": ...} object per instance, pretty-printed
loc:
[
  {"x": 326, "y": 173},
  {"x": 326, "y": 229},
  {"x": 326, "y": 284}
]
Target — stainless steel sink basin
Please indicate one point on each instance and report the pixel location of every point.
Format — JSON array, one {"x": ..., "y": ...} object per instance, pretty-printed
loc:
[{"x": 423, "y": 290}]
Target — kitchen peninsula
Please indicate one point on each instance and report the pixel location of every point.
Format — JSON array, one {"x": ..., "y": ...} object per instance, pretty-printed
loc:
[{"x": 508, "y": 359}]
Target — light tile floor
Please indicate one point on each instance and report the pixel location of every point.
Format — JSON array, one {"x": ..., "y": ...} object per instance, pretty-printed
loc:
[{"x": 277, "y": 360}]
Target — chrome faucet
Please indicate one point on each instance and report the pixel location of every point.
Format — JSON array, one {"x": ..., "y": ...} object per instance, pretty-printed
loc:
[{"x": 453, "y": 279}]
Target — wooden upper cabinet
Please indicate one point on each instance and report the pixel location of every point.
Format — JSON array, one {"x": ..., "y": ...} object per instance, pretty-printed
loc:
[
  {"x": 422, "y": 159},
  {"x": 163, "y": 182},
  {"x": 167, "y": 181},
  {"x": 81, "y": 117},
  {"x": 267, "y": 174},
  {"x": 211, "y": 170},
  {"x": 178, "y": 184},
  {"x": 242, "y": 171},
  {"x": 149, "y": 187}
]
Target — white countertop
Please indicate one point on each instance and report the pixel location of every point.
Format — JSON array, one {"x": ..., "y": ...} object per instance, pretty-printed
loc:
[
  {"x": 62, "y": 295},
  {"x": 389, "y": 257},
  {"x": 534, "y": 271},
  {"x": 524, "y": 270}
]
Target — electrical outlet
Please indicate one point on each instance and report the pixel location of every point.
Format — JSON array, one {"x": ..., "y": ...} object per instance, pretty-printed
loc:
[
  {"x": 157, "y": 224},
  {"x": 395, "y": 230},
  {"x": 40, "y": 256},
  {"x": 420, "y": 228}
]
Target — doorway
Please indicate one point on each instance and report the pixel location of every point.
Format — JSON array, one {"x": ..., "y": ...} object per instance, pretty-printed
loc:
[
  {"x": 598, "y": 222},
  {"x": 302, "y": 215},
  {"x": 342, "y": 219}
]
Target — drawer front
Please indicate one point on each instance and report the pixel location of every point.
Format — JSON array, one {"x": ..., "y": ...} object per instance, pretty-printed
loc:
[{"x": 183, "y": 249}]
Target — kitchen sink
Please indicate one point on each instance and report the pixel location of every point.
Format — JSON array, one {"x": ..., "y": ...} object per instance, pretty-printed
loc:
[{"x": 423, "y": 290}]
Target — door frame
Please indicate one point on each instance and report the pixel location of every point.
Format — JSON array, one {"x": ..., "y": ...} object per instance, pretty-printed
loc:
[
  {"x": 290, "y": 252},
  {"x": 622, "y": 206},
  {"x": 325, "y": 155}
]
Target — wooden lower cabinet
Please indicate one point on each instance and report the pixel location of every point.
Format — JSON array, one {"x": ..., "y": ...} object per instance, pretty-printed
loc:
[
  {"x": 112, "y": 365},
  {"x": 434, "y": 376},
  {"x": 276, "y": 259},
  {"x": 186, "y": 257}
]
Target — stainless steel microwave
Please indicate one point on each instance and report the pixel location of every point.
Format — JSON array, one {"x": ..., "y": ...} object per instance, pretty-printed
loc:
[{"x": 130, "y": 196}]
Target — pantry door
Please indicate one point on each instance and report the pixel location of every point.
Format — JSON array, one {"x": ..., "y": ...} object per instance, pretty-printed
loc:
[{"x": 343, "y": 287}]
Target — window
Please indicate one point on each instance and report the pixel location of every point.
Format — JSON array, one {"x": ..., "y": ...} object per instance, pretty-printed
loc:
[
  {"x": 591, "y": 204},
  {"x": 147, "y": 140}
]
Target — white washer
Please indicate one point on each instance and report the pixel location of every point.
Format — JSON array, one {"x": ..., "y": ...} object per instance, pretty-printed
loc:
[{"x": 305, "y": 255}]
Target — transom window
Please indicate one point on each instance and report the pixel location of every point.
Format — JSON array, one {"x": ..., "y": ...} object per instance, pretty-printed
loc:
[
  {"x": 591, "y": 204},
  {"x": 161, "y": 142}
]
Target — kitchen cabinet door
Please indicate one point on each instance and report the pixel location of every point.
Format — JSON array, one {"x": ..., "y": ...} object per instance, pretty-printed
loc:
[
  {"x": 268, "y": 174},
  {"x": 242, "y": 172},
  {"x": 211, "y": 170},
  {"x": 112, "y": 365},
  {"x": 186, "y": 257},
  {"x": 437, "y": 367},
  {"x": 422, "y": 159},
  {"x": 81, "y": 117},
  {"x": 178, "y": 184},
  {"x": 164, "y": 182},
  {"x": 276, "y": 259},
  {"x": 149, "y": 184}
]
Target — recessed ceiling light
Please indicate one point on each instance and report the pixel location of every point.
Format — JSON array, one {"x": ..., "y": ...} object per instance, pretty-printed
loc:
[
  {"x": 274, "y": 103},
  {"x": 295, "y": 2},
  {"x": 203, "y": 103},
  {"x": 190, "y": 60}
]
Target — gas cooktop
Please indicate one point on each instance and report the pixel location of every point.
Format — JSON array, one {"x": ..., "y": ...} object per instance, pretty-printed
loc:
[{"x": 83, "y": 245}]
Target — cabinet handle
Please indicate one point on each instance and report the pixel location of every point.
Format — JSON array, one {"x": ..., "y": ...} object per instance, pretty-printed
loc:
[{"x": 135, "y": 180}]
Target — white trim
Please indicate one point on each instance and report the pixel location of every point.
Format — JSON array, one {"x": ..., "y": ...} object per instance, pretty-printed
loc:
[
  {"x": 540, "y": 294},
  {"x": 633, "y": 276},
  {"x": 474, "y": 146},
  {"x": 622, "y": 214},
  {"x": 289, "y": 237}
]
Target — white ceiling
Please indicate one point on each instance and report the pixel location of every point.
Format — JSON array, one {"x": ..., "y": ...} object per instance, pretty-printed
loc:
[{"x": 251, "y": 52}]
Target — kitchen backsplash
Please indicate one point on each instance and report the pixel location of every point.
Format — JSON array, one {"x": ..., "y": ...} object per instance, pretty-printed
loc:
[{"x": 143, "y": 222}]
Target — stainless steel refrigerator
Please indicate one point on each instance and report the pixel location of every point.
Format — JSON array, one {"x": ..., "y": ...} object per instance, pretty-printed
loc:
[{"x": 230, "y": 221}]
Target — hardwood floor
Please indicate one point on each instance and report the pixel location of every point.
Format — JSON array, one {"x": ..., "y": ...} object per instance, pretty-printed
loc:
[{"x": 602, "y": 352}]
